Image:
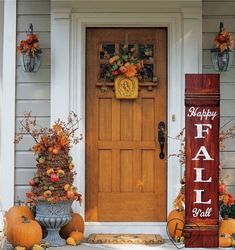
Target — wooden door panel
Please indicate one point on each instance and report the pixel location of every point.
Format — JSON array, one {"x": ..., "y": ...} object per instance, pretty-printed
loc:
[
  {"x": 148, "y": 171},
  {"x": 125, "y": 179},
  {"x": 105, "y": 120},
  {"x": 126, "y": 120},
  {"x": 105, "y": 173},
  {"x": 148, "y": 126},
  {"x": 120, "y": 206}
]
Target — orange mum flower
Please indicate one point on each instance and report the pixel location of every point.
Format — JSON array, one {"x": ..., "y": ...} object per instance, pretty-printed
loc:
[
  {"x": 131, "y": 70},
  {"x": 228, "y": 200}
]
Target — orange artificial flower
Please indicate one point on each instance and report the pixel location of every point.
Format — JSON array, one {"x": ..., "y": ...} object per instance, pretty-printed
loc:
[
  {"x": 228, "y": 199},
  {"x": 224, "y": 41},
  {"x": 47, "y": 193},
  {"x": 131, "y": 70},
  {"x": 57, "y": 128},
  {"x": 113, "y": 59}
]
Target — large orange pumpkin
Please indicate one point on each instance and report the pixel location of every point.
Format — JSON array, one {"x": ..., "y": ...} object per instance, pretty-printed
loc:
[
  {"x": 76, "y": 224},
  {"x": 26, "y": 233},
  {"x": 227, "y": 226},
  {"x": 13, "y": 215},
  {"x": 175, "y": 223}
]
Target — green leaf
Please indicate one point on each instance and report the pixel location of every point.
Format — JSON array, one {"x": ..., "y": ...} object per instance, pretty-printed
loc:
[
  {"x": 124, "y": 57},
  {"x": 115, "y": 67}
]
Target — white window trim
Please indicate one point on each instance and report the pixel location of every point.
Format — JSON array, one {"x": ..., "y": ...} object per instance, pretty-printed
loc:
[
  {"x": 7, "y": 150},
  {"x": 71, "y": 87}
]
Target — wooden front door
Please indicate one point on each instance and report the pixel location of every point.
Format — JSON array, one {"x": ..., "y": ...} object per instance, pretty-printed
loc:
[{"x": 125, "y": 178}]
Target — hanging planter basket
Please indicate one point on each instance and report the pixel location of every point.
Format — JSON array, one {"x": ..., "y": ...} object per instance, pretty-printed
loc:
[{"x": 222, "y": 61}]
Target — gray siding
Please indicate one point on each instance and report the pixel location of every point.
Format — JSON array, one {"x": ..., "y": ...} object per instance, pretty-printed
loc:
[
  {"x": 32, "y": 89},
  {"x": 215, "y": 11}
]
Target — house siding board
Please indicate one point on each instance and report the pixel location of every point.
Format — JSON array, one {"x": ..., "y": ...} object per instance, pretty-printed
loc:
[
  {"x": 44, "y": 37},
  {"x": 45, "y": 58},
  {"x": 218, "y": 8},
  {"x": 34, "y": 8},
  {"x": 32, "y": 89},
  {"x": 207, "y": 58},
  {"x": 43, "y": 75},
  {"x": 25, "y": 159},
  {"x": 215, "y": 11},
  {"x": 43, "y": 121}
]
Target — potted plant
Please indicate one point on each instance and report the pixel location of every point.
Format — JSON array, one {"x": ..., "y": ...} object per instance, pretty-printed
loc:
[{"x": 52, "y": 189}]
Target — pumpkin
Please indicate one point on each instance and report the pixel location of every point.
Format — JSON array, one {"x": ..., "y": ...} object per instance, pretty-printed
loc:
[
  {"x": 77, "y": 236},
  {"x": 76, "y": 224},
  {"x": 227, "y": 226},
  {"x": 71, "y": 241},
  {"x": 225, "y": 240},
  {"x": 26, "y": 233},
  {"x": 13, "y": 214},
  {"x": 175, "y": 223}
]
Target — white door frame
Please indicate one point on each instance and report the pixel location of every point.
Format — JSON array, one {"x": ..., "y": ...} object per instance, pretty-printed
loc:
[{"x": 68, "y": 86}]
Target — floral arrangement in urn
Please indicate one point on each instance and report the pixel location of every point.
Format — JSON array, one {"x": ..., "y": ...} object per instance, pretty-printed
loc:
[
  {"x": 126, "y": 64},
  {"x": 53, "y": 180}
]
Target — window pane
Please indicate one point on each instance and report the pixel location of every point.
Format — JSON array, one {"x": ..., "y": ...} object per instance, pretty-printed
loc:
[
  {"x": 146, "y": 52},
  {"x": 107, "y": 51}
]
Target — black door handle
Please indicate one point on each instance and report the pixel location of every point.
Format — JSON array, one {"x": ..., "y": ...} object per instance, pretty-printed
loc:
[{"x": 161, "y": 138}]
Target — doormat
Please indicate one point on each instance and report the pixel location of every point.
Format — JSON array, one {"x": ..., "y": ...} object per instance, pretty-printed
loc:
[{"x": 125, "y": 239}]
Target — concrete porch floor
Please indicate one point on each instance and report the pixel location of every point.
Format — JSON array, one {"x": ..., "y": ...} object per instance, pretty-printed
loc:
[{"x": 85, "y": 246}]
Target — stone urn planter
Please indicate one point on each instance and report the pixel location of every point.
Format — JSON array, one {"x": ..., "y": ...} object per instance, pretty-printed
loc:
[{"x": 53, "y": 216}]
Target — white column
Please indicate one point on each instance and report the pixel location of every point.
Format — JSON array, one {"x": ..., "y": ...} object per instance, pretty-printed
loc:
[
  {"x": 7, "y": 147},
  {"x": 60, "y": 63},
  {"x": 192, "y": 39}
]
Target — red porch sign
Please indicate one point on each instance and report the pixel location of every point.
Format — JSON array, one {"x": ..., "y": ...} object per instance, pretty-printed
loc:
[{"x": 202, "y": 96}]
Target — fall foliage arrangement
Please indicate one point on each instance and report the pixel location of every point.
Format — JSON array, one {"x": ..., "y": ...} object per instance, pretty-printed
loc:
[
  {"x": 53, "y": 179},
  {"x": 224, "y": 41},
  {"x": 126, "y": 63},
  {"x": 29, "y": 46}
]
